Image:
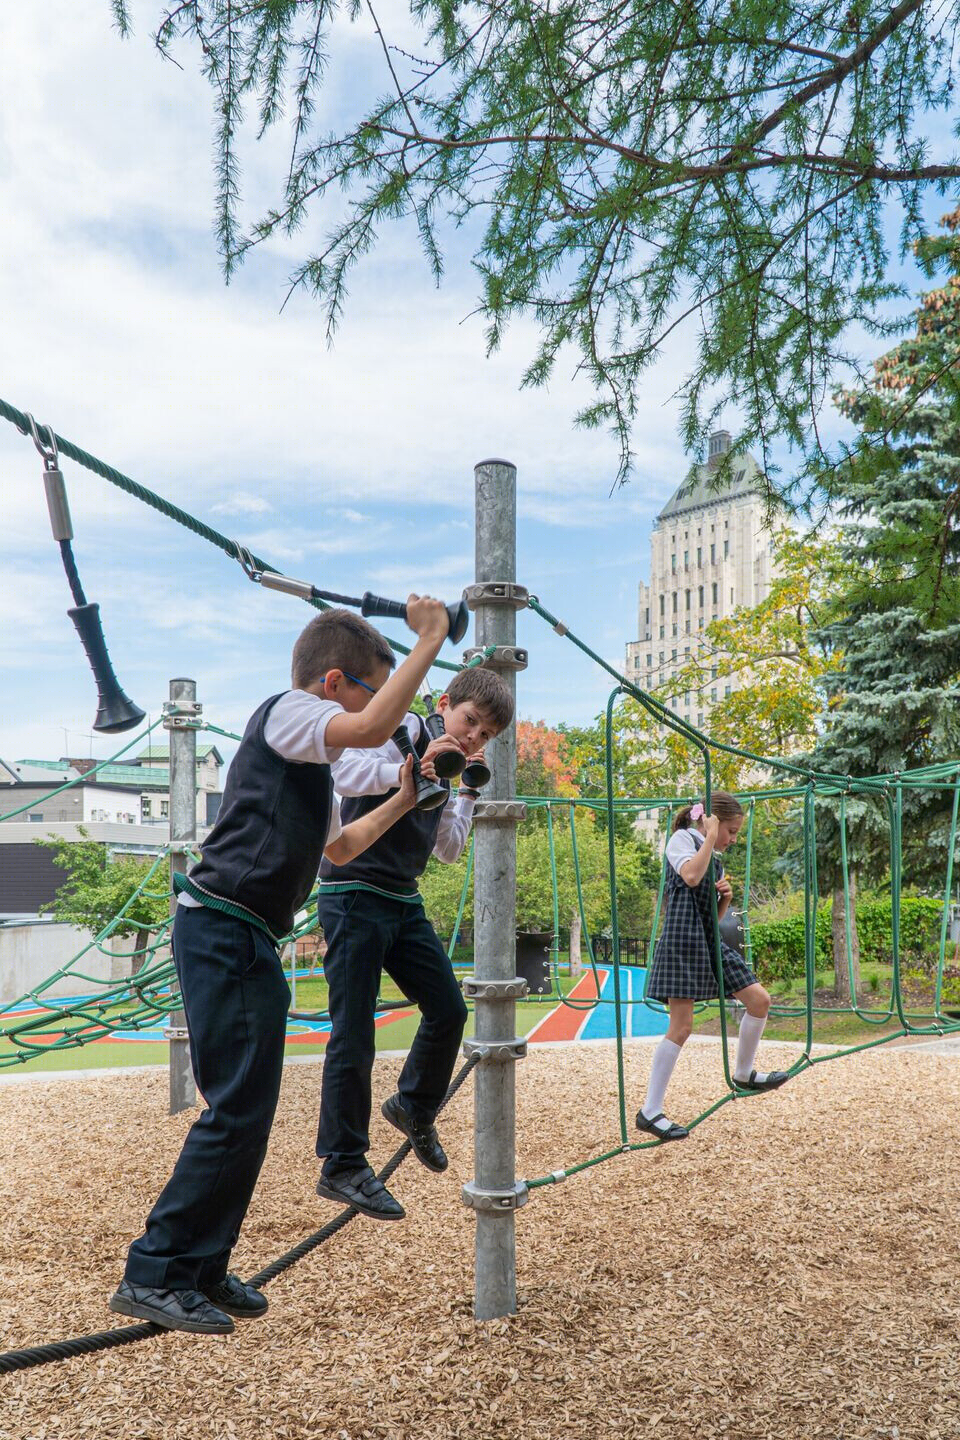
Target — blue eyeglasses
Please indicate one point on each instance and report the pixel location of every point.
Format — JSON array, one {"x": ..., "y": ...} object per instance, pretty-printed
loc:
[{"x": 347, "y": 676}]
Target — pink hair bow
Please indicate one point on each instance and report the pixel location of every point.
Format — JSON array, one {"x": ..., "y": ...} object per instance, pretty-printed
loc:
[{"x": 696, "y": 812}]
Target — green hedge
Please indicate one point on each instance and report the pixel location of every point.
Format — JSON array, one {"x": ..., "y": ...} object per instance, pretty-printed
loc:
[{"x": 778, "y": 948}]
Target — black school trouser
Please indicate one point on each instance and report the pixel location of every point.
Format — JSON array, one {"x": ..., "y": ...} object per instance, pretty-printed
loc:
[
  {"x": 367, "y": 933},
  {"x": 235, "y": 998}
]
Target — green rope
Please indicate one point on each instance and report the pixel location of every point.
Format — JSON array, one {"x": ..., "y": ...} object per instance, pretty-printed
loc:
[{"x": 172, "y": 512}]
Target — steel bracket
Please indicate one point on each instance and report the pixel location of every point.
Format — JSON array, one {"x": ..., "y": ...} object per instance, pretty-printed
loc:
[
  {"x": 182, "y": 714},
  {"x": 504, "y": 657},
  {"x": 176, "y": 1032},
  {"x": 497, "y": 592},
  {"x": 498, "y": 1201},
  {"x": 514, "y": 989},
  {"x": 499, "y": 810},
  {"x": 515, "y": 1049}
]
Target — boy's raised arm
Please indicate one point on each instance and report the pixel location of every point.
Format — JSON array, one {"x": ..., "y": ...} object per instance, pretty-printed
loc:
[{"x": 375, "y": 724}]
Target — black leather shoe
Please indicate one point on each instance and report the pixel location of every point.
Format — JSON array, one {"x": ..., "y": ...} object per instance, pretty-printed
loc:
[
  {"x": 362, "y": 1191},
  {"x": 670, "y": 1131},
  {"x": 423, "y": 1138},
  {"x": 771, "y": 1081},
  {"x": 231, "y": 1295},
  {"x": 173, "y": 1309}
]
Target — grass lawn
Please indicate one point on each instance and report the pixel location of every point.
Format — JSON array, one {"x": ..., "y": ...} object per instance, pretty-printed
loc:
[{"x": 845, "y": 1027}]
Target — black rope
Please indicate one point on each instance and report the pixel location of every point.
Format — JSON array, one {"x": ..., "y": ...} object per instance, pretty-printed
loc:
[
  {"x": 11, "y": 1360},
  {"x": 70, "y": 565}
]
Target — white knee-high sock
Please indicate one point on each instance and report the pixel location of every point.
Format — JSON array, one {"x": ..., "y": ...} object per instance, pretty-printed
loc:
[
  {"x": 751, "y": 1029},
  {"x": 665, "y": 1058}
]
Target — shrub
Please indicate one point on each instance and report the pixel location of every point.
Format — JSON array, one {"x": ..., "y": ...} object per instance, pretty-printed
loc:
[{"x": 778, "y": 945}]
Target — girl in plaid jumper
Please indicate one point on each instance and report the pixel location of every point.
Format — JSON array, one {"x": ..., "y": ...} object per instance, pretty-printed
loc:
[{"x": 684, "y": 961}]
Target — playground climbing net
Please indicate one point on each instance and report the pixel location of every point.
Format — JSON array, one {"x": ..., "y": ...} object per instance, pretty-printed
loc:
[{"x": 40, "y": 1021}]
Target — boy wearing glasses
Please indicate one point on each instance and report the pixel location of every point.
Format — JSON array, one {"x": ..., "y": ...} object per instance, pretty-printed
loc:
[
  {"x": 258, "y": 866},
  {"x": 373, "y": 920}
]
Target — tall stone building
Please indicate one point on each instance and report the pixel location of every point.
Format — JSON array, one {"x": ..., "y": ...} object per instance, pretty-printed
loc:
[{"x": 711, "y": 551}]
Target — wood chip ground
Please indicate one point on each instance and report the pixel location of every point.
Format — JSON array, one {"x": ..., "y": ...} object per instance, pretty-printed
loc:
[{"x": 790, "y": 1272}]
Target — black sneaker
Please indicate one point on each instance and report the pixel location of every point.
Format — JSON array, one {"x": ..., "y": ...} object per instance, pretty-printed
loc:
[
  {"x": 362, "y": 1191},
  {"x": 231, "y": 1295},
  {"x": 423, "y": 1138},
  {"x": 173, "y": 1309}
]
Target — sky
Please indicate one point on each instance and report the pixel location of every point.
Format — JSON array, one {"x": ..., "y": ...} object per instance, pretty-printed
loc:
[{"x": 350, "y": 466}]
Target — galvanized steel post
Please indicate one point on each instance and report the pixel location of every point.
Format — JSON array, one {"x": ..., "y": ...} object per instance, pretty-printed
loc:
[
  {"x": 494, "y": 1194},
  {"x": 181, "y": 717}
]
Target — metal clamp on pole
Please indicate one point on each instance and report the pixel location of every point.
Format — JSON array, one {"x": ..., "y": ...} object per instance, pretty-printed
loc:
[
  {"x": 475, "y": 989},
  {"x": 497, "y": 592},
  {"x": 503, "y": 657},
  {"x": 175, "y": 1032},
  {"x": 499, "y": 1200},
  {"x": 181, "y": 714},
  {"x": 515, "y": 1049},
  {"x": 499, "y": 810}
]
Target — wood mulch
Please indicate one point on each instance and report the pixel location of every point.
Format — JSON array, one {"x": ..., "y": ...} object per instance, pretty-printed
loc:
[{"x": 788, "y": 1273}]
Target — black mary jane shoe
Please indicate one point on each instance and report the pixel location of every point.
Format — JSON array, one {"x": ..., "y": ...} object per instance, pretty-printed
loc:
[
  {"x": 675, "y": 1132},
  {"x": 234, "y": 1298},
  {"x": 773, "y": 1080},
  {"x": 362, "y": 1191}
]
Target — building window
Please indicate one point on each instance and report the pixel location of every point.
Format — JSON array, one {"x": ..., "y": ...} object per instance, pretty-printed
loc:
[
  {"x": 647, "y": 621},
  {"x": 699, "y": 554},
  {"x": 661, "y": 659},
  {"x": 649, "y": 661},
  {"x": 673, "y": 655},
  {"x": 164, "y": 809},
  {"x": 35, "y": 816},
  {"x": 731, "y": 594},
  {"x": 687, "y": 628},
  {"x": 662, "y": 598},
  {"x": 713, "y": 673},
  {"x": 674, "y": 631},
  {"x": 673, "y": 564},
  {"x": 713, "y": 697},
  {"x": 699, "y": 594},
  {"x": 726, "y": 549},
  {"x": 686, "y": 559},
  {"x": 145, "y": 806},
  {"x": 700, "y": 623},
  {"x": 686, "y": 596},
  {"x": 715, "y": 592},
  {"x": 676, "y": 595},
  {"x": 713, "y": 554},
  {"x": 660, "y": 636},
  {"x": 726, "y": 692},
  {"x": 700, "y": 719},
  {"x": 686, "y": 652}
]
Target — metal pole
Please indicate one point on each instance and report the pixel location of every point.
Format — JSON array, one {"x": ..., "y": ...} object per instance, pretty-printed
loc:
[
  {"x": 181, "y": 716},
  {"x": 494, "y": 1194}
]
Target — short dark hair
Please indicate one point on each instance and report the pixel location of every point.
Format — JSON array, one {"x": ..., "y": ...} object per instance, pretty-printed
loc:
[
  {"x": 486, "y": 690},
  {"x": 338, "y": 639},
  {"x": 722, "y": 804}
]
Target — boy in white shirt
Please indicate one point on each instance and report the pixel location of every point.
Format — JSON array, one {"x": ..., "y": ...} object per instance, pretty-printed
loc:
[
  {"x": 258, "y": 865},
  {"x": 373, "y": 920}
]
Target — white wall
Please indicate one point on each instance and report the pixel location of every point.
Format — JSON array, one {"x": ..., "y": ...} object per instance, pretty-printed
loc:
[{"x": 32, "y": 950}]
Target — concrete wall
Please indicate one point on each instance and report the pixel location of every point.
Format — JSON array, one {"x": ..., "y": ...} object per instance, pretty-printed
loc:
[{"x": 32, "y": 950}]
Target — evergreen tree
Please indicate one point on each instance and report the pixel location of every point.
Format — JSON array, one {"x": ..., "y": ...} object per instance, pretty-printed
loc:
[
  {"x": 897, "y": 622},
  {"x": 620, "y": 171}
]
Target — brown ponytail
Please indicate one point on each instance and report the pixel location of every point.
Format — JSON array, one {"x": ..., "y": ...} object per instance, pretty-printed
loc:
[{"x": 722, "y": 804}]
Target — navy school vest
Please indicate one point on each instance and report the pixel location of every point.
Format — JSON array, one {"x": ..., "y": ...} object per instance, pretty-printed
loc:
[
  {"x": 264, "y": 851},
  {"x": 398, "y": 859}
]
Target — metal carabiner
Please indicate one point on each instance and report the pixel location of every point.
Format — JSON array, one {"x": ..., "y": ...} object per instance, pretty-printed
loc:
[
  {"x": 246, "y": 562},
  {"x": 49, "y": 453}
]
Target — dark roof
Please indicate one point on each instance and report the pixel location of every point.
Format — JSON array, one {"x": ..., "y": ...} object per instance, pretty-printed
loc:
[{"x": 702, "y": 487}]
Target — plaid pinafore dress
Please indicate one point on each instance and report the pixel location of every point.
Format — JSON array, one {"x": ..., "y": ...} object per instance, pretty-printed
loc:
[{"x": 683, "y": 961}]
